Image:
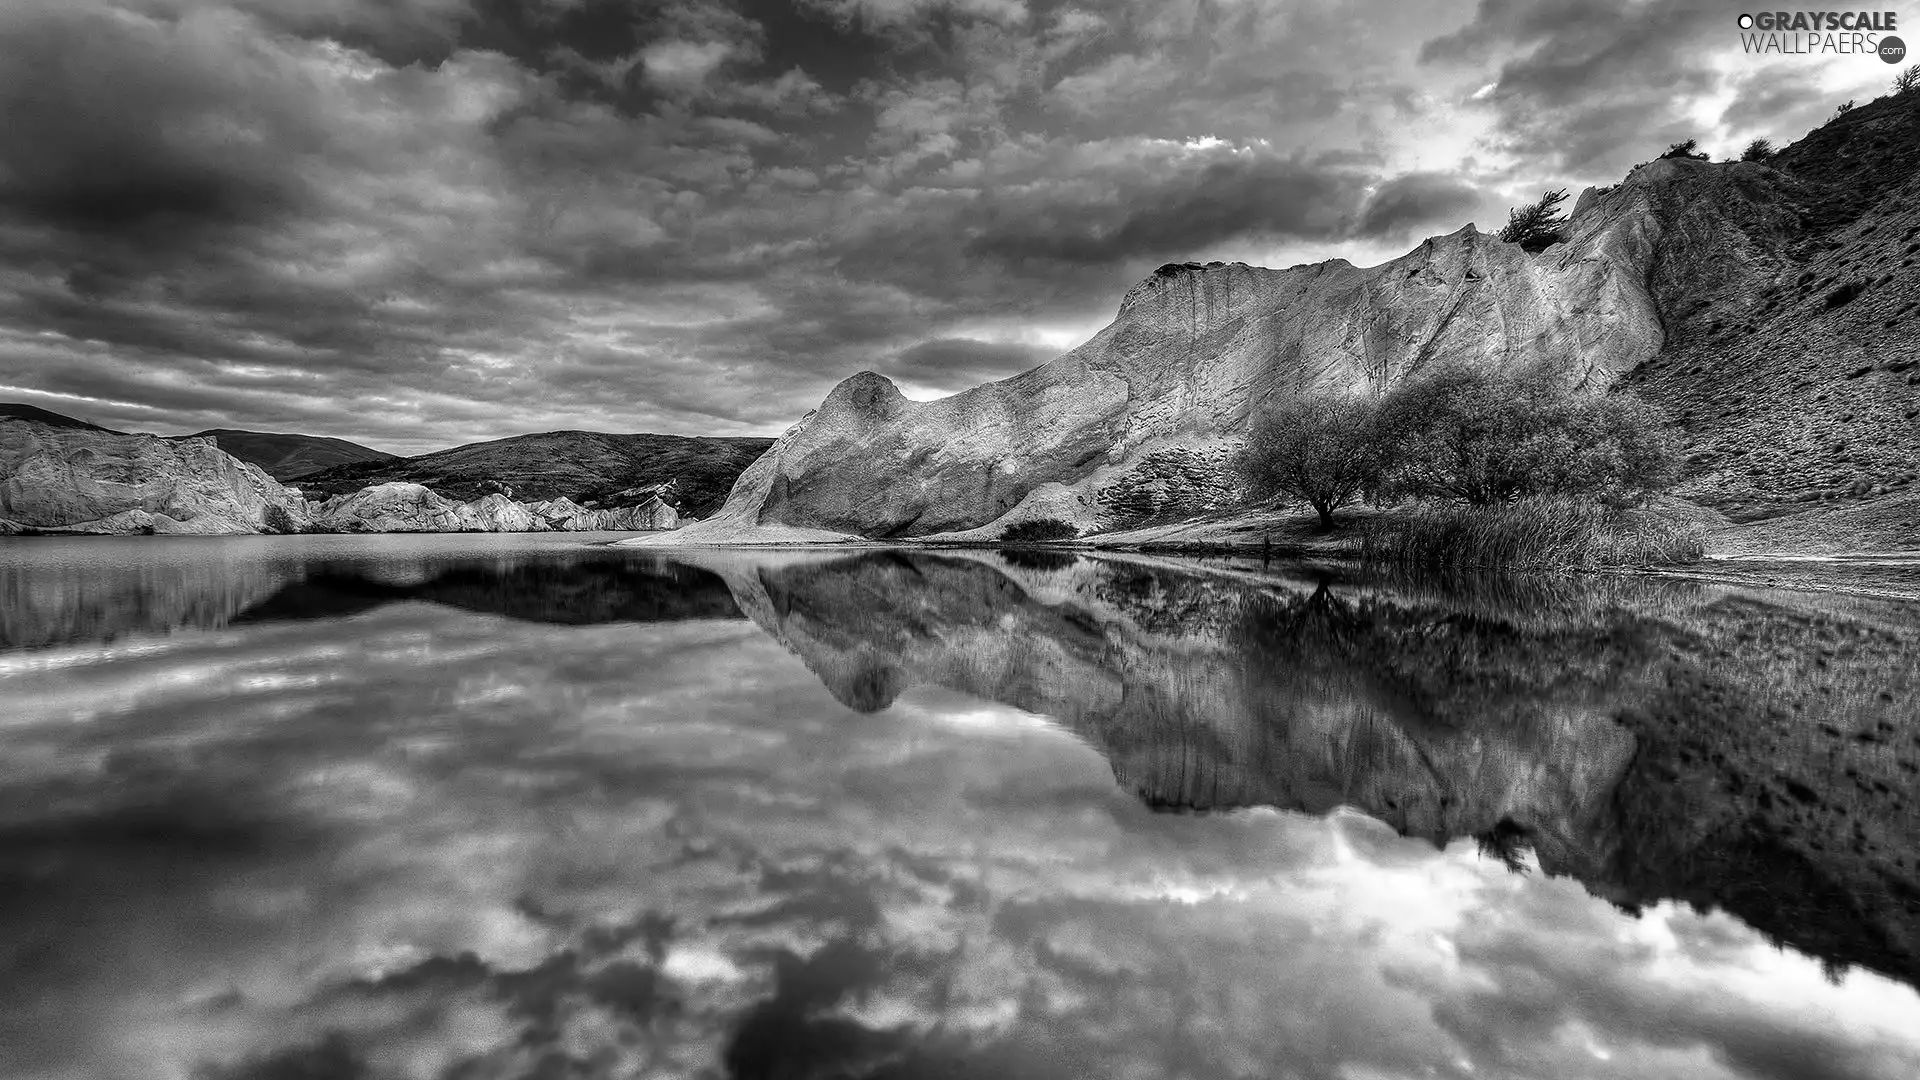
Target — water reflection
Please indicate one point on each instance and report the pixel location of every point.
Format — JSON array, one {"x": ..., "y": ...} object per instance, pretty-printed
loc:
[{"x": 493, "y": 812}]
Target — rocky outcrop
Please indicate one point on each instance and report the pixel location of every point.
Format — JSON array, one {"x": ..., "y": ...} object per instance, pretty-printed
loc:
[
  {"x": 91, "y": 480},
  {"x": 404, "y": 507},
  {"x": 564, "y": 514},
  {"x": 1683, "y": 280},
  {"x": 1193, "y": 349},
  {"x": 395, "y": 507}
]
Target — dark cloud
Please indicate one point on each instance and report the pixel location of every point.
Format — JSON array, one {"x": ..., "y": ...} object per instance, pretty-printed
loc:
[
  {"x": 1238, "y": 196},
  {"x": 133, "y": 128},
  {"x": 952, "y": 364},
  {"x": 1400, "y": 205}
]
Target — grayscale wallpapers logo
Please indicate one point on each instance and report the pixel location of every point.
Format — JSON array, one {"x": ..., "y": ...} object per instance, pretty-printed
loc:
[{"x": 1823, "y": 33}]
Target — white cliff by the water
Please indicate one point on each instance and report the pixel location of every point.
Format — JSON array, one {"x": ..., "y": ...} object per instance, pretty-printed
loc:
[
  {"x": 88, "y": 480},
  {"x": 1193, "y": 349},
  {"x": 1681, "y": 282}
]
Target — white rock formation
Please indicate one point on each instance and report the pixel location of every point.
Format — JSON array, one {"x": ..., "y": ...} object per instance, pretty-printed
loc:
[
  {"x": 393, "y": 507},
  {"x": 404, "y": 507},
  {"x": 97, "y": 481},
  {"x": 1193, "y": 349}
]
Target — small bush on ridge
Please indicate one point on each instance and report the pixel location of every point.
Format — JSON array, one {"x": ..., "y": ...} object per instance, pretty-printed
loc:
[{"x": 1538, "y": 225}]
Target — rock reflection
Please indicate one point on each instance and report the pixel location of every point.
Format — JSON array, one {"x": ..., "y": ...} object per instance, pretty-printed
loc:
[
  {"x": 70, "y": 602},
  {"x": 507, "y": 815},
  {"x": 1653, "y": 739}
]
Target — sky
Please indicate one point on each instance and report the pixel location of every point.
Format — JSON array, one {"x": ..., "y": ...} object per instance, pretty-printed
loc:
[{"x": 419, "y": 223}]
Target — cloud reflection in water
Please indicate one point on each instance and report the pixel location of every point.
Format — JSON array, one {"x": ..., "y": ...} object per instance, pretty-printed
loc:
[{"x": 423, "y": 840}]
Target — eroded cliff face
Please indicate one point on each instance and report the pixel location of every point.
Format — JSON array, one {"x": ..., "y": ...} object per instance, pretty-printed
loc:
[
  {"x": 402, "y": 507},
  {"x": 98, "y": 481},
  {"x": 1193, "y": 349},
  {"x": 1768, "y": 306}
]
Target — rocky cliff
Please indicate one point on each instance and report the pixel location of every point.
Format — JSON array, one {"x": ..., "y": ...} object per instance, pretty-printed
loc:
[
  {"x": 92, "y": 480},
  {"x": 403, "y": 507},
  {"x": 1757, "y": 300},
  {"x": 75, "y": 477}
]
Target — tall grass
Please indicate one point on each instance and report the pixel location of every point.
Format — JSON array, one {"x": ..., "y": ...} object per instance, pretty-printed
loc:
[{"x": 1539, "y": 533}]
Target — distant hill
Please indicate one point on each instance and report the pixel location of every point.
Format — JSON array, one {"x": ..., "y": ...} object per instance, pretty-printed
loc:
[
  {"x": 288, "y": 457},
  {"x": 585, "y": 466},
  {"x": 282, "y": 456},
  {"x": 38, "y": 415}
]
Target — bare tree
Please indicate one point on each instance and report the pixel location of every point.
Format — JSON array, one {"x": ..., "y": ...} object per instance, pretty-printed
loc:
[
  {"x": 1319, "y": 448},
  {"x": 1538, "y": 225}
]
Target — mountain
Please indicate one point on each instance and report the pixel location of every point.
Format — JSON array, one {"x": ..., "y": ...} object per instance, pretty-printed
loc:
[
  {"x": 288, "y": 457},
  {"x": 35, "y": 414},
  {"x": 585, "y": 466},
  {"x": 1769, "y": 306}
]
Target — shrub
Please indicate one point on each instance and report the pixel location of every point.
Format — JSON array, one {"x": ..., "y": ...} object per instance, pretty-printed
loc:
[
  {"x": 275, "y": 519},
  {"x": 1538, "y": 533},
  {"x": 1539, "y": 225},
  {"x": 1486, "y": 438},
  {"x": 1908, "y": 80},
  {"x": 1685, "y": 149},
  {"x": 1758, "y": 150},
  {"x": 1322, "y": 449},
  {"x": 1039, "y": 531},
  {"x": 1843, "y": 108}
]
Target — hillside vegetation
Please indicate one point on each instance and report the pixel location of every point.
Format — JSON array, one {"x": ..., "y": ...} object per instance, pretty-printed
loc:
[{"x": 288, "y": 457}]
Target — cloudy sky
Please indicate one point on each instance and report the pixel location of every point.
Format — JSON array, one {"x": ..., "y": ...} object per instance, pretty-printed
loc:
[{"x": 415, "y": 223}]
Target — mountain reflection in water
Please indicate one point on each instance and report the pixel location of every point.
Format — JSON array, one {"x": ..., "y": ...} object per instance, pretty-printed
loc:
[{"x": 462, "y": 809}]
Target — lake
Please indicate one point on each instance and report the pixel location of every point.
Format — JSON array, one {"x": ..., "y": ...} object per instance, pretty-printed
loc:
[{"x": 466, "y": 807}]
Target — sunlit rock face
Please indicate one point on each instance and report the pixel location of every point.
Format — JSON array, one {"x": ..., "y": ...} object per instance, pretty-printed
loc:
[
  {"x": 394, "y": 507},
  {"x": 98, "y": 481},
  {"x": 398, "y": 506}
]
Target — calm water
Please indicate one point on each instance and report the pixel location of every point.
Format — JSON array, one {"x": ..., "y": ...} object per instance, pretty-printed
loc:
[{"x": 465, "y": 807}]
